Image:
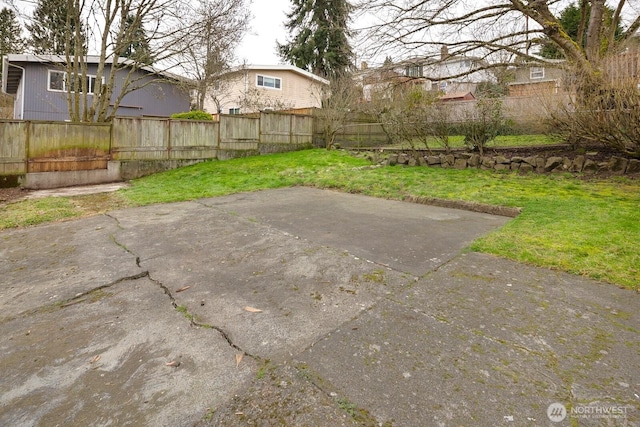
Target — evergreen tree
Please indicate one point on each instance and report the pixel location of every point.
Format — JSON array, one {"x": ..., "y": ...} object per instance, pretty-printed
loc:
[
  {"x": 137, "y": 47},
  {"x": 11, "y": 40},
  {"x": 52, "y": 24},
  {"x": 319, "y": 43},
  {"x": 574, "y": 24}
]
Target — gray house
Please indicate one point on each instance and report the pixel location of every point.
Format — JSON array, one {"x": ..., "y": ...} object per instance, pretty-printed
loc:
[{"x": 38, "y": 84}]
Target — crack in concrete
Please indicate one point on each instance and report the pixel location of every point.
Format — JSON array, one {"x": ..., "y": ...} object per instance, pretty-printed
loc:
[
  {"x": 121, "y": 245},
  {"x": 167, "y": 292},
  {"x": 195, "y": 323}
]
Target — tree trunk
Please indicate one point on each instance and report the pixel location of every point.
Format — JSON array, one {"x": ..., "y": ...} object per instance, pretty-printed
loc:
[{"x": 592, "y": 48}]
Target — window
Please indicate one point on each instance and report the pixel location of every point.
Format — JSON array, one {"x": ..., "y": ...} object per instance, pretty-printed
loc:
[
  {"x": 58, "y": 82},
  {"x": 269, "y": 82},
  {"x": 234, "y": 110},
  {"x": 537, "y": 73},
  {"x": 439, "y": 86},
  {"x": 413, "y": 71}
]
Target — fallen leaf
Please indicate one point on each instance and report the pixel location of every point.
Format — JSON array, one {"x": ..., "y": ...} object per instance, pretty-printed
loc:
[
  {"x": 239, "y": 357},
  {"x": 239, "y": 413},
  {"x": 184, "y": 288},
  {"x": 95, "y": 359},
  {"x": 173, "y": 363},
  {"x": 253, "y": 310}
]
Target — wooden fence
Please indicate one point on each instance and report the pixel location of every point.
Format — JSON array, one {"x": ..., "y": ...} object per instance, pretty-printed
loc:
[
  {"x": 13, "y": 149},
  {"x": 27, "y": 146}
]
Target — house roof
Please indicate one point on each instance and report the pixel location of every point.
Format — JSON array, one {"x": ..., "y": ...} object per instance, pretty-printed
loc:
[
  {"x": 12, "y": 73},
  {"x": 457, "y": 96},
  {"x": 281, "y": 67}
]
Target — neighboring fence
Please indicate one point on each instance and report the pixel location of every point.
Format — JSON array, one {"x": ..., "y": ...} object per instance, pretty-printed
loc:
[
  {"x": 27, "y": 147},
  {"x": 525, "y": 115}
]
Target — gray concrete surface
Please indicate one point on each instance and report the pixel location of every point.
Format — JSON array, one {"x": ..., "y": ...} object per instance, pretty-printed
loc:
[{"x": 303, "y": 307}]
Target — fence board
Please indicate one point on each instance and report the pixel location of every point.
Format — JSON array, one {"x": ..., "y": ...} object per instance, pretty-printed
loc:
[
  {"x": 302, "y": 130},
  {"x": 140, "y": 139},
  {"x": 60, "y": 146},
  {"x": 239, "y": 133},
  {"x": 194, "y": 139},
  {"x": 13, "y": 148},
  {"x": 275, "y": 128}
]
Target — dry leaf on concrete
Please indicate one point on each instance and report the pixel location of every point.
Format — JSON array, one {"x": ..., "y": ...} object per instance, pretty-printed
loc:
[
  {"x": 184, "y": 288},
  {"x": 252, "y": 309},
  {"x": 239, "y": 357}
]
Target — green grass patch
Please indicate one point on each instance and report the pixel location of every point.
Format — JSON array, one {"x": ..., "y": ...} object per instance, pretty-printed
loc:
[
  {"x": 218, "y": 178},
  {"x": 586, "y": 227},
  {"x": 34, "y": 212}
]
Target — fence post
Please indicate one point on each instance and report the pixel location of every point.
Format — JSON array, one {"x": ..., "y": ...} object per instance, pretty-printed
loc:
[
  {"x": 27, "y": 147},
  {"x": 290, "y": 129},
  {"x": 169, "y": 139}
]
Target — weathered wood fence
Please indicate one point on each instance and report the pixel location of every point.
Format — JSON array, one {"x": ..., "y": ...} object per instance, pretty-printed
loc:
[{"x": 29, "y": 147}]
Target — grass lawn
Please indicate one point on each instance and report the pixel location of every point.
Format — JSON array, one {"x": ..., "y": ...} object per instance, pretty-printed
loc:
[{"x": 590, "y": 228}]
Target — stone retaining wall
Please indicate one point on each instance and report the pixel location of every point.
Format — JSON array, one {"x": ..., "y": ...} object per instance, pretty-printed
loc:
[{"x": 538, "y": 163}]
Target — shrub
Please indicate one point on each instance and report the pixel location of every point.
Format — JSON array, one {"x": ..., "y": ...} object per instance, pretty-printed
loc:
[
  {"x": 193, "y": 115},
  {"x": 608, "y": 115},
  {"x": 482, "y": 123}
]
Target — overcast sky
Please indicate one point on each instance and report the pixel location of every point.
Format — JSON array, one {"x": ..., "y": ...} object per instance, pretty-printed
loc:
[{"x": 267, "y": 26}]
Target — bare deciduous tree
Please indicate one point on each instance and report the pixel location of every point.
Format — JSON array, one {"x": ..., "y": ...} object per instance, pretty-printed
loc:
[
  {"x": 491, "y": 28},
  {"x": 215, "y": 29},
  {"x": 109, "y": 29},
  {"x": 500, "y": 31},
  {"x": 338, "y": 100},
  {"x": 116, "y": 26}
]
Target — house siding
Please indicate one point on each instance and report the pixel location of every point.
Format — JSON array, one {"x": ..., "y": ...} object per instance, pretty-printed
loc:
[
  {"x": 240, "y": 90},
  {"x": 524, "y": 85},
  {"x": 534, "y": 88},
  {"x": 297, "y": 91},
  {"x": 159, "y": 99}
]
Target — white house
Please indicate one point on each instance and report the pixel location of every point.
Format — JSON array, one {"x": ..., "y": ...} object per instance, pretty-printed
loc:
[{"x": 446, "y": 75}]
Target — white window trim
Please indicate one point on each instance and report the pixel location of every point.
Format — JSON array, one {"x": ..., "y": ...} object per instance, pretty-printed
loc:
[
  {"x": 538, "y": 74},
  {"x": 268, "y": 77},
  {"x": 414, "y": 71},
  {"x": 64, "y": 81}
]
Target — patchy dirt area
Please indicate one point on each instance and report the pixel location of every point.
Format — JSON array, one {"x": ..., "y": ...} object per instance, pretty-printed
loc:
[{"x": 12, "y": 194}]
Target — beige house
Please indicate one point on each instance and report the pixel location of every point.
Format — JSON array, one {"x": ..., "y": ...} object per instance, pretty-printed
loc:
[
  {"x": 452, "y": 76},
  {"x": 543, "y": 77},
  {"x": 253, "y": 88}
]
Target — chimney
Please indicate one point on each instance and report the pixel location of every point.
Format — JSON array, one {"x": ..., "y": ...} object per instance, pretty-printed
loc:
[{"x": 444, "y": 52}]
